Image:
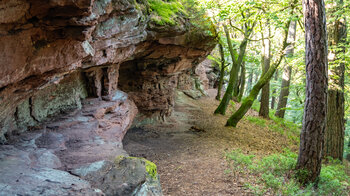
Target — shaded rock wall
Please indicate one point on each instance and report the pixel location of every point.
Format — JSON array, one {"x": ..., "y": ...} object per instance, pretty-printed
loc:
[{"x": 53, "y": 54}]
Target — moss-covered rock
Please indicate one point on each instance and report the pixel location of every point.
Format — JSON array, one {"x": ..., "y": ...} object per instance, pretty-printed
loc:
[
  {"x": 165, "y": 12},
  {"x": 124, "y": 176}
]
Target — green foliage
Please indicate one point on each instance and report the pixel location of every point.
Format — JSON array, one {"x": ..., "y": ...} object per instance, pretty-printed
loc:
[
  {"x": 165, "y": 11},
  {"x": 232, "y": 103},
  {"x": 275, "y": 173},
  {"x": 240, "y": 160},
  {"x": 256, "y": 105},
  {"x": 256, "y": 120},
  {"x": 281, "y": 124}
]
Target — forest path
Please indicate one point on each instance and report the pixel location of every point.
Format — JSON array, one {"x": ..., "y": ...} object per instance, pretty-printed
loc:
[{"x": 189, "y": 148}]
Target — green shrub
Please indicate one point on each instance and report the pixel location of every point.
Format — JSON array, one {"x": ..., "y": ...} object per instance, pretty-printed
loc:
[
  {"x": 239, "y": 158},
  {"x": 275, "y": 173}
]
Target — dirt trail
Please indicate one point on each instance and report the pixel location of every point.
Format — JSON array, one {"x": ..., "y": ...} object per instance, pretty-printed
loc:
[{"x": 189, "y": 148}]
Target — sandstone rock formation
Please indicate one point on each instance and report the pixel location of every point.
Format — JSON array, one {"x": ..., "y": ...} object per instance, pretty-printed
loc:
[
  {"x": 76, "y": 155},
  {"x": 55, "y": 53},
  {"x": 73, "y": 59}
]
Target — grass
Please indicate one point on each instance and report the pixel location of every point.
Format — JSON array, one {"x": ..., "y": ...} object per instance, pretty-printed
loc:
[
  {"x": 279, "y": 125},
  {"x": 256, "y": 105},
  {"x": 274, "y": 174}
]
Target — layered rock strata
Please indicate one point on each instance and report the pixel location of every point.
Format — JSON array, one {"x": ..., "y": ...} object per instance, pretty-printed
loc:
[
  {"x": 73, "y": 74},
  {"x": 78, "y": 154},
  {"x": 53, "y": 54}
]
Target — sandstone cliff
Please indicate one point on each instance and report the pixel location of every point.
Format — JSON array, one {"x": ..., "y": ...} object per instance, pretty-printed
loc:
[
  {"x": 55, "y": 53},
  {"x": 73, "y": 76}
]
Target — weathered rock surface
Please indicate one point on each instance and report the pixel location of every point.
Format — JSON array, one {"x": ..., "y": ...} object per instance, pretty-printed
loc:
[
  {"x": 76, "y": 155},
  {"x": 195, "y": 82},
  {"x": 61, "y": 113},
  {"x": 53, "y": 54},
  {"x": 123, "y": 176}
]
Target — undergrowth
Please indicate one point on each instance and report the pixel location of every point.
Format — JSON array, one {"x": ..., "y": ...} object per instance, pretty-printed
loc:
[
  {"x": 274, "y": 174},
  {"x": 280, "y": 125}
]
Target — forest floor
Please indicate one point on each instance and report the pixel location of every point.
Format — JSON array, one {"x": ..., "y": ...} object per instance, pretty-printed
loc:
[{"x": 189, "y": 148}]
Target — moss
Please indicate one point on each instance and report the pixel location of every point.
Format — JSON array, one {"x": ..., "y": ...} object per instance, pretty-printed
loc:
[
  {"x": 119, "y": 158},
  {"x": 150, "y": 167},
  {"x": 165, "y": 12}
]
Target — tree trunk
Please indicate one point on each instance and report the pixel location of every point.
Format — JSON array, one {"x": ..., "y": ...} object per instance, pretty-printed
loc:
[
  {"x": 335, "y": 129},
  {"x": 283, "y": 98},
  {"x": 236, "y": 89},
  {"x": 265, "y": 92},
  {"x": 315, "y": 109},
  {"x": 250, "y": 81},
  {"x": 248, "y": 101},
  {"x": 242, "y": 82},
  {"x": 221, "y": 109},
  {"x": 287, "y": 73},
  {"x": 273, "y": 97},
  {"x": 222, "y": 72}
]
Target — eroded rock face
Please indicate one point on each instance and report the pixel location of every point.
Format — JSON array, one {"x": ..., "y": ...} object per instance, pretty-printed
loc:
[
  {"x": 63, "y": 64},
  {"x": 53, "y": 54},
  {"x": 43, "y": 162}
]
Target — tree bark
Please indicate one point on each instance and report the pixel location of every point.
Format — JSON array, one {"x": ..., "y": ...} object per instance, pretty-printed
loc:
[
  {"x": 237, "y": 87},
  {"x": 250, "y": 81},
  {"x": 283, "y": 97},
  {"x": 242, "y": 83},
  {"x": 221, "y": 109},
  {"x": 273, "y": 97},
  {"x": 248, "y": 101},
  {"x": 222, "y": 72},
  {"x": 287, "y": 73},
  {"x": 266, "y": 58},
  {"x": 315, "y": 109},
  {"x": 335, "y": 129}
]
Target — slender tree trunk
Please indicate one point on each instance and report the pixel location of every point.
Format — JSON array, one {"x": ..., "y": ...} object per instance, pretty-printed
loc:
[
  {"x": 248, "y": 101},
  {"x": 222, "y": 72},
  {"x": 335, "y": 129},
  {"x": 236, "y": 88},
  {"x": 250, "y": 82},
  {"x": 273, "y": 97},
  {"x": 283, "y": 98},
  {"x": 315, "y": 109},
  {"x": 242, "y": 81},
  {"x": 287, "y": 73},
  {"x": 265, "y": 92},
  {"x": 221, "y": 109}
]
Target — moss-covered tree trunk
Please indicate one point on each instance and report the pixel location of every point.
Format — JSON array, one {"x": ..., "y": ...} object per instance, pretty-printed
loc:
[
  {"x": 335, "y": 128},
  {"x": 248, "y": 101},
  {"x": 222, "y": 72},
  {"x": 265, "y": 61},
  {"x": 287, "y": 73},
  {"x": 315, "y": 110},
  {"x": 236, "y": 89},
  {"x": 221, "y": 109}
]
